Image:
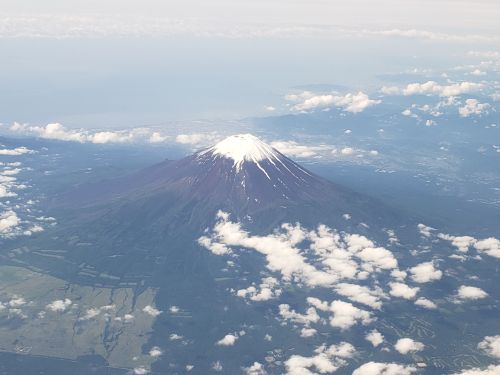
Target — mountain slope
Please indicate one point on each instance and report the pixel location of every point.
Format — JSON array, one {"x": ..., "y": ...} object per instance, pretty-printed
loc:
[{"x": 240, "y": 174}]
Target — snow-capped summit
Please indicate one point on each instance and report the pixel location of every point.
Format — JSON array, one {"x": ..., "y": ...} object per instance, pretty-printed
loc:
[{"x": 241, "y": 148}]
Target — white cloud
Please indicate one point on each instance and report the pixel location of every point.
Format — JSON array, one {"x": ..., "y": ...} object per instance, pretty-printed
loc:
[
  {"x": 8, "y": 222},
  {"x": 228, "y": 340},
  {"x": 490, "y": 246},
  {"x": 377, "y": 368},
  {"x": 345, "y": 315},
  {"x": 16, "y": 151},
  {"x": 473, "y": 107},
  {"x": 59, "y": 132},
  {"x": 150, "y": 310},
  {"x": 155, "y": 352},
  {"x": 326, "y": 360},
  {"x": 353, "y": 103},
  {"x": 433, "y": 88},
  {"x": 490, "y": 370},
  {"x": 59, "y": 305},
  {"x": 174, "y": 309},
  {"x": 90, "y": 314},
  {"x": 361, "y": 294},
  {"x": 127, "y": 318},
  {"x": 279, "y": 249},
  {"x": 215, "y": 247},
  {"x": 407, "y": 345},
  {"x": 17, "y": 301},
  {"x": 5, "y": 193},
  {"x": 426, "y": 303},
  {"x": 140, "y": 370},
  {"x": 96, "y": 311},
  {"x": 477, "y": 72},
  {"x": 425, "y": 272},
  {"x": 425, "y": 230},
  {"x": 292, "y": 148},
  {"x": 461, "y": 242},
  {"x": 378, "y": 257},
  {"x": 308, "y": 332},
  {"x": 403, "y": 291},
  {"x": 491, "y": 345},
  {"x": 255, "y": 369},
  {"x": 429, "y": 35},
  {"x": 398, "y": 275},
  {"x": 375, "y": 337},
  {"x": 311, "y": 316},
  {"x": 390, "y": 90},
  {"x": 157, "y": 137},
  {"x": 471, "y": 293},
  {"x": 175, "y": 24},
  {"x": 337, "y": 257},
  {"x": 347, "y": 151},
  {"x": 217, "y": 366},
  {"x": 195, "y": 138},
  {"x": 268, "y": 289}
]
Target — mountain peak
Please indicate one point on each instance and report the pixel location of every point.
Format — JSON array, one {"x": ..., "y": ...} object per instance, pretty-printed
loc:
[{"x": 243, "y": 147}]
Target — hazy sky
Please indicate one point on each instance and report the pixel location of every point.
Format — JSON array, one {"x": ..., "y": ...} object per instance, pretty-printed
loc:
[
  {"x": 122, "y": 62},
  {"x": 437, "y": 15}
]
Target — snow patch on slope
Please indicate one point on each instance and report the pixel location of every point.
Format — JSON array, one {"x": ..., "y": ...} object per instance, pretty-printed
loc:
[{"x": 243, "y": 147}]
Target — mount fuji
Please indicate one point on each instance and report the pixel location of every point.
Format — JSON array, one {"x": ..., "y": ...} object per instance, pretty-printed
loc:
[{"x": 241, "y": 175}]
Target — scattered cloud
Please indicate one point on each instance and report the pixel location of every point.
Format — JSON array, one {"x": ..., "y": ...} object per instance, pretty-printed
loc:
[
  {"x": 361, "y": 294},
  {"x": 59, "y": 305},
  {"x": 354, "y": 103},
  {"x": 327, "y": 359},
  {"x": 489, "y": 246},
  {"x": 426, "y": 303},
  {"x": 490, "y": 370},
  {"x": 268, "y": 289},
  {"x": 377, "y": 368},
  {"x": 491, "y": 345},
  {"x": 195, "y": 138},
  {"x": 461, "y": 242},
  {"x": 402, "y": 290},
  {"x": 16, "y": 151},
  {"x": 150, "y": 310},
  {"x": 8, "y": 222},
  {"x": 425, "y": 272},
  {"x": 407, "y": 345},
  {"x": 58, "y": 131},
  {"x": 140, "y": 370},
  {"x": 311, "y": 316},
  {"x": 375, "y": 338},
  {"x": 228, "y": 340},
  {"x": 96, "y": 311},
  {"x": 294, "y": 149},
  {"x": 64, "y": 26},
  {"x": 471, "y": 293},
  {"x": 255, "y": 369},
  {"x": 473, "y": 107},
  {"x": 434, "y": 88},
  {"x": 344, "y": 314},
  {"x": 425, "y": 230},
  {"x": 155, "y": 352},
  {"x": 349, "y": 256}
]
